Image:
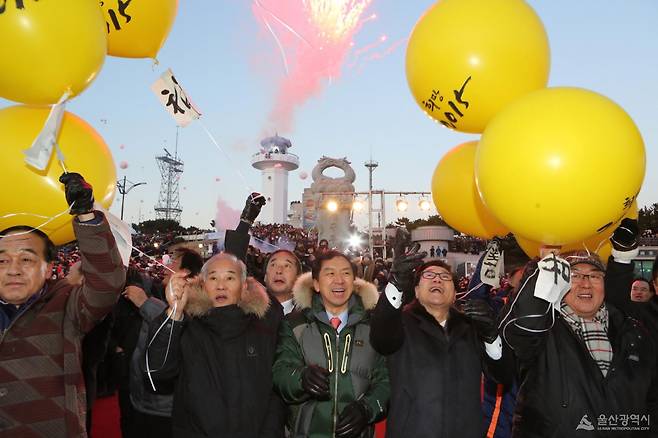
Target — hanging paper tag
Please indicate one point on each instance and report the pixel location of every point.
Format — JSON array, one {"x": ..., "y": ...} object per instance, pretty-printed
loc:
[
  {"x": 492, "y": 264},
  {"x": 554, "y": 279},
  {"x": 38, "y": 155}
]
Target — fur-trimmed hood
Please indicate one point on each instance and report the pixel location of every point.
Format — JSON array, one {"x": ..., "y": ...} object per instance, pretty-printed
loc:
[
  {"x": 254, "y": 300},
  {"x": 303, "y": 292}
]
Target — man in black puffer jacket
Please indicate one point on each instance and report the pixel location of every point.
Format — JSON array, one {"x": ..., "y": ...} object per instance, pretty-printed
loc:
[{"x": 586, "y": 368}]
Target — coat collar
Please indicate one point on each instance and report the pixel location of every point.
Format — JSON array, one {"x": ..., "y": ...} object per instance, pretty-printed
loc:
[
  {"x": 303, "y": 292},
  {"x": 254, "y": 300},
  {"x": 456, "y": 325}
]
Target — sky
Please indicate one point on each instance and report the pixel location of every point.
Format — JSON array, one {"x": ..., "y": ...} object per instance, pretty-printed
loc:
[{"x": 230, "y": 67}]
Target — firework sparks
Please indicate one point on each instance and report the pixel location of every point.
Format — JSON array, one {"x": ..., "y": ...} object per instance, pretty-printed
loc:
[
  {"x": 336, "y": 20},
  {"x": 314, "y": 38}
]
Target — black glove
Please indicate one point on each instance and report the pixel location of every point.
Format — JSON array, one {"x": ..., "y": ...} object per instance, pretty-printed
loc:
[
  {"x": 315, "y": 381},
  {"x": 625, "y": 236},
  {"x": 252, "y": 206},
  {"x": 79, "y": 193},
  {"x": 483, "y": 317},
  {"x": 352, "y": 420},
  {"x": 404, "y": 263}
]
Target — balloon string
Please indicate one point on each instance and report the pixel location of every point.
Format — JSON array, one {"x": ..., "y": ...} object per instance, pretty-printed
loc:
[
  {"x": 38, "y": 227},
  {"x": 153, "y": 259},
  {"x": 171, "y": 331},
  {"x": 228, "y": 157},
  {"x": 462, "y": 295}
]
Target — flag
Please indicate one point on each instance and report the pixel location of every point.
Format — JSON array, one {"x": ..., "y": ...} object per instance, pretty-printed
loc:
[{"x": 175, "y": 99}]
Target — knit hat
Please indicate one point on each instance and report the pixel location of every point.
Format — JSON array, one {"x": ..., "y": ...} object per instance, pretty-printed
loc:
[{"x": 581, "y": 256}]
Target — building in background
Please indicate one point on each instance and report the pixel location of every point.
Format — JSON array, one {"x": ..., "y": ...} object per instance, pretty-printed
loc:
[{"x": 275, "y": 162}]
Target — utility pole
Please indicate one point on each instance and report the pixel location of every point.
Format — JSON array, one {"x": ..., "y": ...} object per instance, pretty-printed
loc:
[
  {"x": 124, "y": 187},
  {"x": 371, "y": 166}
]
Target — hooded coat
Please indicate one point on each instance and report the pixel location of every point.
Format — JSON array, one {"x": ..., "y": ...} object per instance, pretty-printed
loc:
[
  {"x": 357, "y": 370},
  {"x": 222, "y": 360}
]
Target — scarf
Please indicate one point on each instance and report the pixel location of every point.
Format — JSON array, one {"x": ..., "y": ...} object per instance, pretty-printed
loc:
[{"x": 594, "y": 333}]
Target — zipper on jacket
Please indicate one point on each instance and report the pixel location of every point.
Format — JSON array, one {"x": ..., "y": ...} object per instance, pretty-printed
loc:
[
  {"x": 330, "y": 355},
  {"x": 336, "y": 389}
]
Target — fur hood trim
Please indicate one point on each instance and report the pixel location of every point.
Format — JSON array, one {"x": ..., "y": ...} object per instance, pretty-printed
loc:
[
  {"x": 254, "y": 300},
  {"x": 303, "y": 292}
]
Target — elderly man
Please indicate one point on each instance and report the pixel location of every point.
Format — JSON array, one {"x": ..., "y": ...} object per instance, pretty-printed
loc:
[
  {"x": 220, "y": 348},
  {"x": 42, "y": 391},
  {"x": 586, "y": 369},
  {"x": 281, "y": 270}
]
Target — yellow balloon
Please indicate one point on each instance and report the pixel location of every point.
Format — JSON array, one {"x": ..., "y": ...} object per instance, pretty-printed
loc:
[
  {"x": 560, "y": 164},
  {"x": 599, "y": 243},
  {"x": 138, "y": 29},
  {"x": 35, "y": 195},
  {"x": 49, "y": 48},
  {"x": 603, "y": 248},
  {"x": 467, "y": 59},
  {"x": 456, "y": 197}
]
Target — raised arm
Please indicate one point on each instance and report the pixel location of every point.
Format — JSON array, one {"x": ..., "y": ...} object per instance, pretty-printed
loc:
[{"x": 102, "y": 269}]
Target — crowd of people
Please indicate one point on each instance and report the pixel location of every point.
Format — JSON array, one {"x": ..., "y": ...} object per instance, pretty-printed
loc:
[{"x": 271, "y": 344}]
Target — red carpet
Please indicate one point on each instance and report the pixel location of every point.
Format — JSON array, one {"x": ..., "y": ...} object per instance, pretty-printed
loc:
[{"x": 105, "y": 418}]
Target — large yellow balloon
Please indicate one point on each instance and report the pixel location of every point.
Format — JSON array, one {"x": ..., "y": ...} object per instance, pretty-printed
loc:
[
  {"x": 599, "y": 243},
  {"x": 456, "y": 197},
  {"x": 40, "y": 193},
  {"x": 560, "y": 164},
  {"x": 467, "y": 59},
  {"x": 48, "y": 48},
  {"x": 138, "y": 28}
]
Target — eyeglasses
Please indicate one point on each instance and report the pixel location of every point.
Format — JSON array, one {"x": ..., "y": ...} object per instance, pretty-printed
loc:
[
  {"x": 430, "y": 275},
  {"x": 594, "y": 277},
  {"x": 640, "y": 289}
]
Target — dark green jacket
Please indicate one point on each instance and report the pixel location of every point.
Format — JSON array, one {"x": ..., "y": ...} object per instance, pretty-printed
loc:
[{"x": 357, "y": 370}]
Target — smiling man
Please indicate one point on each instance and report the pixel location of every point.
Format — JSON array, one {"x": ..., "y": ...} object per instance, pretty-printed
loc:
[
  {"x": 325, "y": 368},
  {"x": 581, "y": 359},
  {"x": 42, "y": 322},
  {"x": 435, "y": 353}
]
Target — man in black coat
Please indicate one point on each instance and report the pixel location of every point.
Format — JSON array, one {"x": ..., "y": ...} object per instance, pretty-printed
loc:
[
  {"x": 435, "y": 353},
  {"x": 586, "y": 368}
]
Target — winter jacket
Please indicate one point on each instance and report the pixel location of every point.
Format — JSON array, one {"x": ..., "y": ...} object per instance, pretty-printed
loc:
[
  {"x": 221, "y": 358},
  {"x": 142, "y": 396},
  {"x": 498, "y": 400},
  {"x": 357, "y": 370},
  {"x": 563, "y": 393},
  {"x": 435, "y": 372},
  {"x": 618, "y": 281},
  {"x": 42, "y": 392}
]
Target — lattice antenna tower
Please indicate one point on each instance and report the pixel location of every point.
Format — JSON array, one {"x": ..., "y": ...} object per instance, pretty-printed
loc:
[{"x": 171, "y": 170}]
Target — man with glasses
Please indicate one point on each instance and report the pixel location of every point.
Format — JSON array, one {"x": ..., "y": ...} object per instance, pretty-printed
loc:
[
  {"x": 586, "y": 369},
  {"x": 435, "y": 353}
]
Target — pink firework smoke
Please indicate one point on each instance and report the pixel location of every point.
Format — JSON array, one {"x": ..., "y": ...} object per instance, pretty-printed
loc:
[
  {"x": 314, "y": 38},
  {"x": 227, "y": 217}
]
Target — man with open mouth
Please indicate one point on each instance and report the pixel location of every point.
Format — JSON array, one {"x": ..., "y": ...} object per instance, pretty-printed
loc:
[
  {"x": 282, "y": 268},
  {"x": 586, "y": 367},
  {"x": 435, "y": 353}
]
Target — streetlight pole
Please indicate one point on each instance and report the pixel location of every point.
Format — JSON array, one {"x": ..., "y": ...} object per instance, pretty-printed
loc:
[
  {"x": 371, "y": 165},
  {"x": 123, "y": 189}
]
